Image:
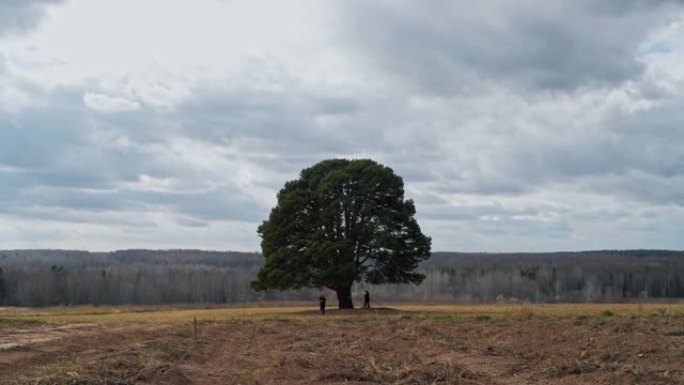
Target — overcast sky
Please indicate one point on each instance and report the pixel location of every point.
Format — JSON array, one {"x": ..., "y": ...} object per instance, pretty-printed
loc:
[{"x": 530, "y": 125}]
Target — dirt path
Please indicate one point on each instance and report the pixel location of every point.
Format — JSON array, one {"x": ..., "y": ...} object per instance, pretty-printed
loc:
[{"x": 17, "y": 338}]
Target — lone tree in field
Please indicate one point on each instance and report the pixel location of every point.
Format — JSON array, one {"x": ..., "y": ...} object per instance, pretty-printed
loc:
[{"x": 342, "y": 221}]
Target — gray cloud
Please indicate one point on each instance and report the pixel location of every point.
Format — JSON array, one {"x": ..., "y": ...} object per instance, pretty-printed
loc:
[
  {"x": 531, "y": 127},
  {"x": 76, "y": 171},
  {"x": 291, "y": 118},
  {"x": 449, "y": 47},
  {"x": 17, "y": 16}
]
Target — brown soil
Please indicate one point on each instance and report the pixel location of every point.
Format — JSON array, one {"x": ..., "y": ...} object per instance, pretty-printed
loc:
[{"x": 355, "y": 347}]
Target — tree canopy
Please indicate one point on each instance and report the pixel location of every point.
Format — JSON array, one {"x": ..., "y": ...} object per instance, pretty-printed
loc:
[{"x": 342, "y": 221}]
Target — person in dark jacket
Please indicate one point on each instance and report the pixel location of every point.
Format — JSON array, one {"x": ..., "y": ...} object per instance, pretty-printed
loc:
[
  {"x": 321, "y": 301},
  {"x": 366, "y": 300}
]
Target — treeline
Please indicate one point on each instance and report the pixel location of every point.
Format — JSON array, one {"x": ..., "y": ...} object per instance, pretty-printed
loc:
[
  {"x": 64, "y": 277},
  {"x": 591, "y": 276}
]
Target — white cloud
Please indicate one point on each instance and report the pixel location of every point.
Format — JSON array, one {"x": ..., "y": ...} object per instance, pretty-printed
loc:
[{"x": 106, "y": 103}]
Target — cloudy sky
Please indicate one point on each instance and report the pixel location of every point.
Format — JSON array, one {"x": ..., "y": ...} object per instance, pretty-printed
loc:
[{"x": 528, "y": 125}]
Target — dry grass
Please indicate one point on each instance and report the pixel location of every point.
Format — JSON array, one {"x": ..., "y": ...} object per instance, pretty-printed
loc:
[
  {"x": 157, "y": 314},
  {"x": 587, "y": 309},
  {"x": 407, "y": 344},
  {"x": 181, "y": 314}
]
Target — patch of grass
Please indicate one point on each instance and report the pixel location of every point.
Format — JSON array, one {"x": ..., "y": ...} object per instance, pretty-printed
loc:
[
  {"x": 675, "y": 333},
  {"x": 171, "y": 350},
  {"x": 183, "y": 314},
  {"x": 607, "y": 313},
  {"x": 248, "y": 374},
  {"x": 119, "y": 314},
  {"x": 370, "y": 370},
  {"x": 550, "y": 310},
  {"x": 278, "y": 320},
  {"x": 21, "y": 322},
  {"x": 447, "y": 318}
]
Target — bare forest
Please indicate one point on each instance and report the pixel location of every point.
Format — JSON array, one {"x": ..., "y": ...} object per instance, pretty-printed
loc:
[{"x": 63, "y": 277}]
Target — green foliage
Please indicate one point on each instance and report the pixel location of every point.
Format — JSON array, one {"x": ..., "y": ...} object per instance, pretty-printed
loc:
[{"x": 341, "y": 221}]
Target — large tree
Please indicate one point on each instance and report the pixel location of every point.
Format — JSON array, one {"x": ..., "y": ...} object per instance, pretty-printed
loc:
[{"x": 342, "y": 221}]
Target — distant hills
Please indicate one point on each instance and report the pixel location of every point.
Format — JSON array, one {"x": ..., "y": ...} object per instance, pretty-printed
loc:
[{"x": 68, "y": 277}]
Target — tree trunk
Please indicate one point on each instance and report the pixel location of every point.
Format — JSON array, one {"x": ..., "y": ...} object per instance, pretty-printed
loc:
[{"x": 344, "y": 298}]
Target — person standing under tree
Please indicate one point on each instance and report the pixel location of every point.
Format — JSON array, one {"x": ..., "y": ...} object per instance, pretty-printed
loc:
[
  {"x": 321, "y": 301},
  {"x": 366, "y": 300}
]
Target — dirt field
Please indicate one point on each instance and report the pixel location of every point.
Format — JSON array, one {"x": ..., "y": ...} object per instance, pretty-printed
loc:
[{"x": 521, "y": 344}]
